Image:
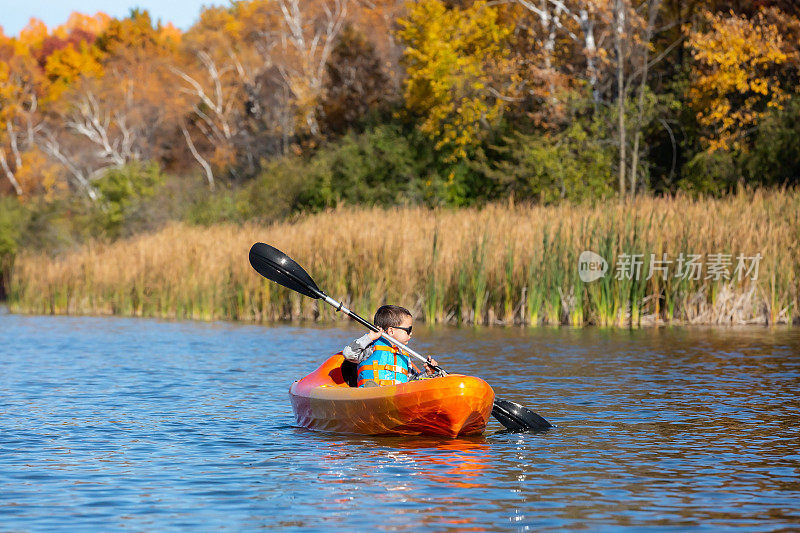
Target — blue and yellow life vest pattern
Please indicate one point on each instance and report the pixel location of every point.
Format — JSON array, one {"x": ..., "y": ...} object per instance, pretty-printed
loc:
[{"x": 386, "y": 366}]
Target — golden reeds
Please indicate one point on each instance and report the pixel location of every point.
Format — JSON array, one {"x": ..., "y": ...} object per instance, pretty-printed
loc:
[{"x": 502, "y": 264}]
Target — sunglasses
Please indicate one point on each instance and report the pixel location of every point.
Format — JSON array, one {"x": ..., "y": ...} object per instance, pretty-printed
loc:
[{"x": 407, "y": 330}]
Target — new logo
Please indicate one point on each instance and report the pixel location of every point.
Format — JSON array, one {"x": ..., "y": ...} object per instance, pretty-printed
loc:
[{"x": 591, "y": 266}]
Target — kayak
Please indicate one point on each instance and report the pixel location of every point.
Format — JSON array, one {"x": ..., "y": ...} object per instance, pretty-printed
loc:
[{"x": 450, "y": 406}]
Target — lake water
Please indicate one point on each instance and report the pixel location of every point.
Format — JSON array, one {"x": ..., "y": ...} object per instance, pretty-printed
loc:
[{"x": 153, "y": 425}]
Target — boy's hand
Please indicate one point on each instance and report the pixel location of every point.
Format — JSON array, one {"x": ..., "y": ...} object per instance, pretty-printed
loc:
[
  {"x": 429, "y": 364},
  {"x": 375, "y": 335}
]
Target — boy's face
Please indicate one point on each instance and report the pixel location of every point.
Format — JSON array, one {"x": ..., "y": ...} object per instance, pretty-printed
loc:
[{"x": 401, "y": 335}]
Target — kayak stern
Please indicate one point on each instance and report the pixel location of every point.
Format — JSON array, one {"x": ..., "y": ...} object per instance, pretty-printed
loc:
[{"x": 449, "y": 406}]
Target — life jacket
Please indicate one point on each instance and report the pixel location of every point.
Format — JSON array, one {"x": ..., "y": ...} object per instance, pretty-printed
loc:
[{"x": 386, "y": 366}]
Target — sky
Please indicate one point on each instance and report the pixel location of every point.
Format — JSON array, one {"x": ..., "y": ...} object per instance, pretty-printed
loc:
[{"x": 14, "y": 14}]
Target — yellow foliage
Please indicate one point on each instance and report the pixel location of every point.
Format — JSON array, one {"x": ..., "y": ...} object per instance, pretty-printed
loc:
[
  {"x": 6, "y": 90},
  {"x": 66, "y": 65},
  {"x": 451, "y": 57},
  {"x": 233, "y": 26},
  {"x": 18, "y": 80},
  {"x": 735, "y": 77},
  {"x": 135, "y": 37},
  {"x": 214, "y": 21}
]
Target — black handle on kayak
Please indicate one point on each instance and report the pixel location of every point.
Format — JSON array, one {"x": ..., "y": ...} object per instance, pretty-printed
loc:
[{"x": 283, "y": 270}]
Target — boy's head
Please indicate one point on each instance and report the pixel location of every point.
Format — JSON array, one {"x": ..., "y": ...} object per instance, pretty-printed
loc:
[{"x": 396, "y": 318}]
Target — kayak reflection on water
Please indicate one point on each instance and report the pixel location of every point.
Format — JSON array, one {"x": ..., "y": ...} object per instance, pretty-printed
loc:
[{"x": 456, "y": 463}]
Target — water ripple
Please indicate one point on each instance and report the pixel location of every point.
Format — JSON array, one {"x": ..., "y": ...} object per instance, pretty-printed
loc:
[{"x": 156, "y": 425}]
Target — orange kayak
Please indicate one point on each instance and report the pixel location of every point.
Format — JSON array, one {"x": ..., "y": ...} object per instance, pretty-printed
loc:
[{"x": 451, "y": 406}]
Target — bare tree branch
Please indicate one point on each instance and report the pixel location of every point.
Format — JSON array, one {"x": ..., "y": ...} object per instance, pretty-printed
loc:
[{"x": 198, "y": 157}]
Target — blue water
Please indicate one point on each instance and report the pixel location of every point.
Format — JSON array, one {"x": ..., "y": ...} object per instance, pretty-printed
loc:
[{"x": 152, "y": 425}]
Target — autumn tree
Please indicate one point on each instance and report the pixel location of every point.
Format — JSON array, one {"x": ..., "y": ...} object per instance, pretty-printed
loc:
[
  {"x": 22, "y": 85},
  {"x": 459, "y": 78},
  {"x": 304, "y": 43},
  {"x": 576, "y": 22},
  {"x": 12, "y": 94},
  {"x": 115, "y": 114},
  {"x": 356, "y": 83},
  {"x": 603, "y": 47},
  {"x": 735, "y": 78},
  {"x": 220, "y": 73}
]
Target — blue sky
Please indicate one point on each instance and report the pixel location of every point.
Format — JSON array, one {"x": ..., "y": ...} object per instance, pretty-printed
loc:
[{"x": 14, "y": 14}]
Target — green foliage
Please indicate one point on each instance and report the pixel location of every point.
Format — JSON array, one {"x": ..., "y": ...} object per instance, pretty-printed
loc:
[
  {"x": 224, "y": 205},
  {"x": 574, "y": 164},
  {"x": 13, "y": 217},
  {"x": 382, "y": 166},
  {"x": 711, "y": 173},
  {"x": 12, "y": 220},
  {"x": 275, "y": 191},
  {"x": 775, "y": 157},
  {"x": 377, "y": 168},
  {"x": 123, "y": 192}
]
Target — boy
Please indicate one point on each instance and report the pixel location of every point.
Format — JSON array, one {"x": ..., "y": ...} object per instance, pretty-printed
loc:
[{"x": 380, "y": 362}]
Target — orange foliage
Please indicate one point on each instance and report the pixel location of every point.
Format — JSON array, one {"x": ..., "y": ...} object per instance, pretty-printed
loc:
[
  {"x": 33, "y": 34},
  {"x": 39, "y": 175},
  {"x": 94, "y": 24},
  {"x": 93, "y": 82},
  {"x": 735, "y": 80}
]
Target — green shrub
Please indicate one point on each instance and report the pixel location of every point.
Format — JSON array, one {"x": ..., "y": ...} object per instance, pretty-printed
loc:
[
  {"x": 382, "y": 166},
  {"x": 711, "y": 173},
  {"x": 123, "y": 194},
  {"x": 13, "y": 218},
  {"x": 775, "y": 157},
  {"x": 205, "y": 207},
  {"x": 575, "y": 164}
]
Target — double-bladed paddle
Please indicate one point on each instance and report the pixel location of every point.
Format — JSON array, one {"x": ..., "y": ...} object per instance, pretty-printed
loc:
[{"x": 283, "y": 270}]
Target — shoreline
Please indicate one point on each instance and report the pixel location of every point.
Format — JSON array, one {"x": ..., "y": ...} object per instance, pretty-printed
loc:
[
  {"x": 499, "y": 265},
  {"x": 328, "y": 323}
]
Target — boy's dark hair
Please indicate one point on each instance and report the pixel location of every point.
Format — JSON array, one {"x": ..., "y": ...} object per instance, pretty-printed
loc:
[{"x": 389, "y": 316}]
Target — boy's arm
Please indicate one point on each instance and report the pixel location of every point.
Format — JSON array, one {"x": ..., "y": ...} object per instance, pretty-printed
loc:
[{"x": 359, "y": 349}]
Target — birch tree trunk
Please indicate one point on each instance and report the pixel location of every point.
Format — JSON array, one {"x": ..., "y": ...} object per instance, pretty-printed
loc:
[
  {"x": 309, "y": 38},
  {"x": 9, "y": 173},
  {"x": 653, "y": 8},
  {"x": 12, "y": 139},
  {"x": 619, "y": 28},
  {"x": 550, "y": 21}
]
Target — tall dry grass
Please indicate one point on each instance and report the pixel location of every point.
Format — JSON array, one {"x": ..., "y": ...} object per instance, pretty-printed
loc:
[{"x": 503, "y": 264}]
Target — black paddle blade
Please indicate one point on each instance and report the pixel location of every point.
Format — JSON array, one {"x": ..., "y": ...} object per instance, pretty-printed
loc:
[
  {"x": 518, "y": 418},
  {"x": 282, "y": 269}
]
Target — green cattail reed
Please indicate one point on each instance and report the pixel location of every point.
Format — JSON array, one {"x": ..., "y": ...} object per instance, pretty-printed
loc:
[
  {"x": 433, "y": 304},
  {"x": 478, "y": 285},
  {"x": 508, "y": 286}
]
